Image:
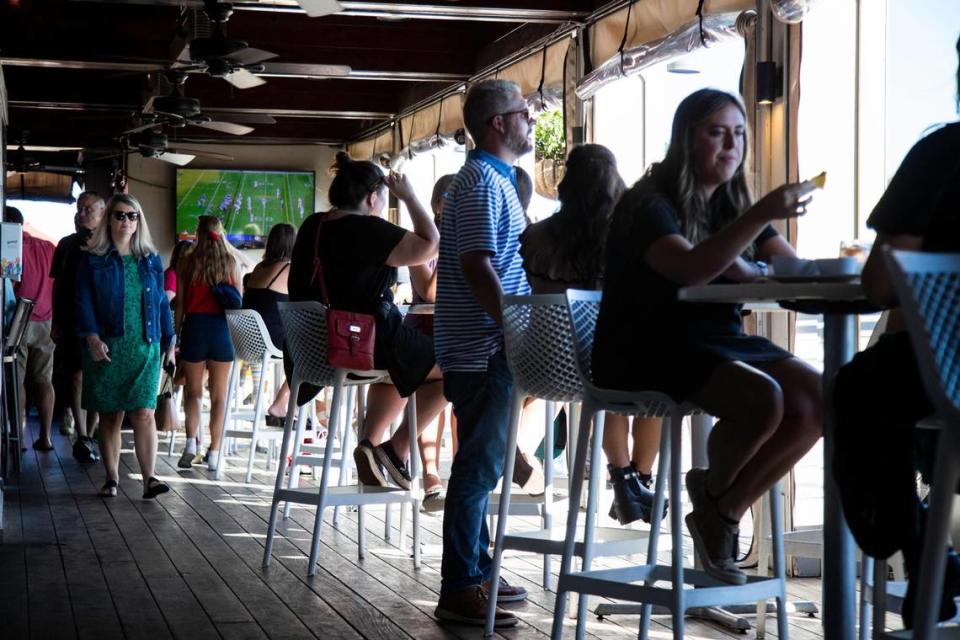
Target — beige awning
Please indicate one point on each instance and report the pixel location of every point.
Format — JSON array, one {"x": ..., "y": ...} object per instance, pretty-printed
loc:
[
  {"x": 37, "y": 185},
  {"x": 443, "y": 117},
  {"x": 546, "y": 63},
  {"x": 372, "y": 147},
  {"x": 649, "y": 21}
]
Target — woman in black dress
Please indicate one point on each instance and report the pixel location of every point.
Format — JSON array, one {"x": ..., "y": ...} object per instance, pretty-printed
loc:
[
  {"x": 359, "y": 253},
  {"x": 263, "y": 289},
  {"x": 690, "y": 221}
]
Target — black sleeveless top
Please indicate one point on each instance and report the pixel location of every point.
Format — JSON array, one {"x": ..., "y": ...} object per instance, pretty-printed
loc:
[{"x": 264, "y": 301}]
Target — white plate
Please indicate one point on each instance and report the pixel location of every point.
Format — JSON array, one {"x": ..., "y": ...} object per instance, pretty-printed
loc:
[{"x": 846, "y": 277}]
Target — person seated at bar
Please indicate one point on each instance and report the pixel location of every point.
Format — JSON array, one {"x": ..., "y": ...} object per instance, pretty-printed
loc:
[
  {"x": 691, "y": 221},
  {"x": 264, "y": 288},
  {"x": 423, "y": 281},
  {"x": 879, "y": 396},
  {"x": 358, "y": 253},
  {"x": 566, "y": 251},
  {"x": 125, "y": 320}
]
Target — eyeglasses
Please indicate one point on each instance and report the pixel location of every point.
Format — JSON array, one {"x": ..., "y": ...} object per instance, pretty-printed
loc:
[
  {"x": 132, "y": 216},
  {"x": 526, "y": 112}
]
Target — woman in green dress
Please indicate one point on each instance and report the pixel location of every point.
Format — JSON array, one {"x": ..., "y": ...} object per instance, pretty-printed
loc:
[{"x": 124, "y": 317}]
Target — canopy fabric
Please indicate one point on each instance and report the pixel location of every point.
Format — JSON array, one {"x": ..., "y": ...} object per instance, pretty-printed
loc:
[
  {"x": 546, "y": 63},
  {"x": 37, "y": 185},
  {"x": 443, "y": 117},
  {"x": 650, "y": 20},
  {"x": 372, "y": 147}
]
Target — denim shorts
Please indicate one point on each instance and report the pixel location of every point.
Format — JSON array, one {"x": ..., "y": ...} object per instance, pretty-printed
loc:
[{"x": 205, "y": 336}]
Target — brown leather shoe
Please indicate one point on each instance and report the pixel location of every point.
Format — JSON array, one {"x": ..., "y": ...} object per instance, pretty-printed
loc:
[
  {"x": 506, "y": 592},
  {"x": 470, "y": 607}
]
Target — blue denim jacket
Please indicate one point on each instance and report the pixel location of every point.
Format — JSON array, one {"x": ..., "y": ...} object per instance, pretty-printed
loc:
[{"x": 100, "y": 298}]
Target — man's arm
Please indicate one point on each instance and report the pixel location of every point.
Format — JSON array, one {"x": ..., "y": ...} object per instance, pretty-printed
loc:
[
  {"x": 875, "y": 278},
  {"x": 483, "y": 281}
]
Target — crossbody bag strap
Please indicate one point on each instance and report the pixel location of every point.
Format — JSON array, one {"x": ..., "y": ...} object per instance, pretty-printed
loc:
[{"x": 318, "y": 267}]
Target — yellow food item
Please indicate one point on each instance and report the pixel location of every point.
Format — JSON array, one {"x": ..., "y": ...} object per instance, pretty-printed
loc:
[{"x": 820, "y": 179}]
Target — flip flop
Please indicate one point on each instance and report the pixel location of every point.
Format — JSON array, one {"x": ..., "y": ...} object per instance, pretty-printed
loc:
[
  {"x": 108, "y": 490},
  {"x": 154, "y": 488}
]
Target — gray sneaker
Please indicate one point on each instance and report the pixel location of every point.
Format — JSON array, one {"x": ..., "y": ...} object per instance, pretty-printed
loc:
[
  {"x": 186, "y": 460},
  {"x": 714, "y": 541}
]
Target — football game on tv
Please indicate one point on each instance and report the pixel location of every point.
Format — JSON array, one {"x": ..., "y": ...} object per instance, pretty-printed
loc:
[{"x": 248, "y": 202}]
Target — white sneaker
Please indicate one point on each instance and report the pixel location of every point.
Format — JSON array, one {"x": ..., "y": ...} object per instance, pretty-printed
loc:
[{"x": 213, "y": 460}]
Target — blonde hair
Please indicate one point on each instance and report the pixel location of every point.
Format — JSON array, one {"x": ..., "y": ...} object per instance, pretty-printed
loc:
[
  {"x": 211, "y": 260},
  {"x": 141, "y": 243}
]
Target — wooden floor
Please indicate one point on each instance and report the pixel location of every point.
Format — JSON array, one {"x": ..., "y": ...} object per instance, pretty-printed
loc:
[{"x": 188, "y": 566}]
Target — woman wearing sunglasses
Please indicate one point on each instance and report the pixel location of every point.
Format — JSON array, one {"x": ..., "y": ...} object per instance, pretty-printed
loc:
[{"x": 124, "y": 317}]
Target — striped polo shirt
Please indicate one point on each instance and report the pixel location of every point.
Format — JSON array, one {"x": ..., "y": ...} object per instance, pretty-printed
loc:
[{"x": 481, "y": 212}]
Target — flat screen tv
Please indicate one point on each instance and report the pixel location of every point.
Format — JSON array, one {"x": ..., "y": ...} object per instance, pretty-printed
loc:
[{"x": 248, "y": 202}]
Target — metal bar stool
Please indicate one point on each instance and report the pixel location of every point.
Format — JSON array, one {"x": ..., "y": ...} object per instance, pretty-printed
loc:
[
  {"x": 12, "y": 420},
  {"x": 928, "y": 288},
  {"x": 253, "y": 345},
  {"x": 305, "y": 325},
  {"x": 540, "y": 354},
  {"x": 584, "y": 307}
]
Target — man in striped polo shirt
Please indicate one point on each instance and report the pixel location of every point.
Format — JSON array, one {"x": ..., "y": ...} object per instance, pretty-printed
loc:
[{"x": 479, "y": 263}]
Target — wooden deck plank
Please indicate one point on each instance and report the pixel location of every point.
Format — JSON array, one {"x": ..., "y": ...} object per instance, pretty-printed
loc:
[
  {"x": 132, "y": 599},
  {"x": 188, "y": 565},
  {"x": 14, "y": 595},
  {"x": 50, "y": 610}
]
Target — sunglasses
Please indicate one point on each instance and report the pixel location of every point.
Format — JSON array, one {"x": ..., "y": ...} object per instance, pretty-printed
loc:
[
  {"x": 132, "y": 216},
  {"x": 526, "y": 113}
]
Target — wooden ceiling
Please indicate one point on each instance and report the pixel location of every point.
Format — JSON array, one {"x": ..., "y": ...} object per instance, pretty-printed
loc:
[{"x": 77, "y": 71}]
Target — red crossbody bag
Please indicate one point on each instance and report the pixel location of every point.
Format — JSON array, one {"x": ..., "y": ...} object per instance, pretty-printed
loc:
[{"x": 350, "y": 336}]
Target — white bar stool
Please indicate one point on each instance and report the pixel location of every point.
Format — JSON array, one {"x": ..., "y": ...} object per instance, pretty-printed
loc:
[
  {"x": 305, "y": 327},
  {"x": 584, "y": 307}
]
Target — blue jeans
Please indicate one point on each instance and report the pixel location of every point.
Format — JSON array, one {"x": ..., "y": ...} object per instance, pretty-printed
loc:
[{"x": 481, "y": 402}]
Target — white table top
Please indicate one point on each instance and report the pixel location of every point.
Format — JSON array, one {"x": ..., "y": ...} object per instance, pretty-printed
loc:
[{"x": 772, "y": 291}]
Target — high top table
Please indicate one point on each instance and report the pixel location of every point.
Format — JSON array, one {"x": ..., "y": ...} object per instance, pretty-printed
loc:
[{"x": 839, "y": 303}]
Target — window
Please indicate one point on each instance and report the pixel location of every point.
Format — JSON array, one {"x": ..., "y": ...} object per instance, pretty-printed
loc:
[{"x": 633, "y": 116}]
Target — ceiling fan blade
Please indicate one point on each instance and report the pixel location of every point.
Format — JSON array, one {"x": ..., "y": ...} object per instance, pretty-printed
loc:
[
  {"x": 250, "y": 55},
  {"x": 224, "y": 127},
  {"x": 317, "y": 8},
  {"x": 55, "y": 169},
  {"x": 202, "y": 154},
  {"x": 142, "y": 127},
  {"x": 243, "y": 79},
  {"x": 178, "y": 159},
  {"x": 306, "y": 70},
  {"x": 247, "y": 118}
]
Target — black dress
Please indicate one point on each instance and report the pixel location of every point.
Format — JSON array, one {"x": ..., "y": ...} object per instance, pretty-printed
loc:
[
  {"x": 354, "y": 251},
  {"x": 645, "y": 337},
  {"x": 264, "y": 301}
]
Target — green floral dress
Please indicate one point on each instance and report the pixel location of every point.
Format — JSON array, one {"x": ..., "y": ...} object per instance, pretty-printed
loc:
[{"x": 131, "y": 377}]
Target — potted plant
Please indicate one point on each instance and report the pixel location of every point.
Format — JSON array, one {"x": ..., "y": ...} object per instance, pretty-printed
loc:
[{"x": 549, "y": 153}]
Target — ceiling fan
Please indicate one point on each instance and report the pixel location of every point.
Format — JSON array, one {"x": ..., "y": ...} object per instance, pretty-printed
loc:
[
  {"x": 177, "y": 110},
  {"x": 154, "y": 144},
  {"x": 234, "y": 60}
]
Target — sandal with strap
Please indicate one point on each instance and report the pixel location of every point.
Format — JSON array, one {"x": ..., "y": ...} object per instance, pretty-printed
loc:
[
  {"x": 108, "y": 490},
  {"x": 154, "y": 488}
]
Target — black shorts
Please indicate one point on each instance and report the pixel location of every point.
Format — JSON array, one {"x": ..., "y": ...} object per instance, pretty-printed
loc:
[{"x": 68, "y": 355}]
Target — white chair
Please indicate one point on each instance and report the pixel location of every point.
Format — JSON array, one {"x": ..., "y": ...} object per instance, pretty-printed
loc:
[
  {"x": 584, "y": 308},
  {"x": 253, "y": 345},
  {"x": 928, "y": 289},
  {"x": 540, "y": 354},
  {"x": 305, "y": 328}
]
